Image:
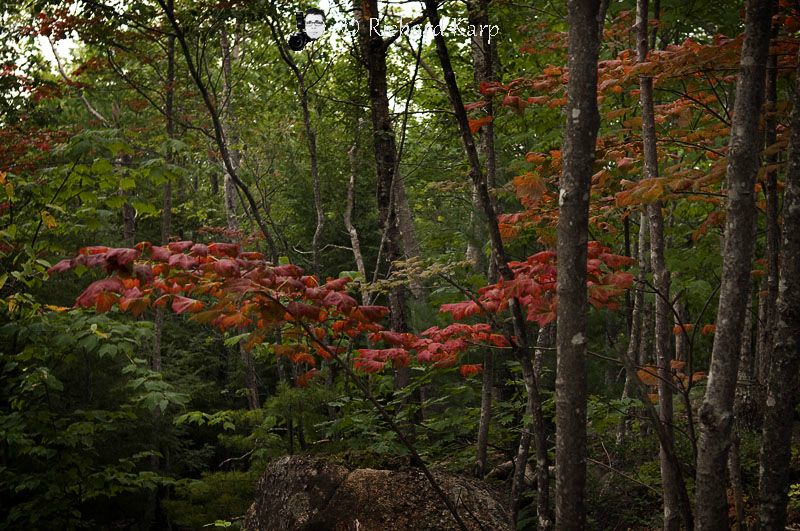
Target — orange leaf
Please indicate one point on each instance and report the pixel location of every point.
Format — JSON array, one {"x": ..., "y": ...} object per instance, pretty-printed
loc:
[
  {"x": 677, "y": 365},
  {"x": 687, "y": 327},
  {"x": 647, "y": 375},
  {"x": 476, "y": 124},
  {"x": 470, "y": 369}
]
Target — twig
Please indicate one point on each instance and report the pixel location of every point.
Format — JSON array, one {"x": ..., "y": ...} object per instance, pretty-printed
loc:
[{"x": 623, "y": 474}]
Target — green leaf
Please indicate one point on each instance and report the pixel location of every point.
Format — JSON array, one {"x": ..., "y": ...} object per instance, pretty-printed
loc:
[{"x": 127, "y": 183}]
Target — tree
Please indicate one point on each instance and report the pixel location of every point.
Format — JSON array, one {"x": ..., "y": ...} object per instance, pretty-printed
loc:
[
  {"x": 782, "y": 395},
  {"x": 716, "y": 413},
  {"x": 586, "y": 20}
]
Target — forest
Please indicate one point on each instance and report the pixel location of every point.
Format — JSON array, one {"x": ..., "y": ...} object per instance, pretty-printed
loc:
[{"x": 435, "y": 264}]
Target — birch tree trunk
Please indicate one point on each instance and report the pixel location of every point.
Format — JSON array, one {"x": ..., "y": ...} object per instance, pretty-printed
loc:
[
  {"x": 230, "y": 55},
  {"x": 483, "y": 70},
  {"x": 716, "y": 413},
  {"x": 585, "y": 20},
  {"x": 782, "y": 385}
]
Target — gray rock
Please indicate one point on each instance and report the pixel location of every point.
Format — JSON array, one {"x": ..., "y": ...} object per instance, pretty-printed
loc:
[{"x": 312, "y": 494}]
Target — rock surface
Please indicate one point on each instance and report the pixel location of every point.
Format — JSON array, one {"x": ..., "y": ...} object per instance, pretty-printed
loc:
[{"x": 312, "y": 494}]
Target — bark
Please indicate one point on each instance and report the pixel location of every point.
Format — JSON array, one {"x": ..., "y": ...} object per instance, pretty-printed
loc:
[
  {"x": 716, "y": 413},
  {"x": 681, "y": 340},
  {"x": 219, "y": 133},
  {"x": 487, "y": 385},
  {"x": 373, "y": 50},
  {"x": 663, "y": 314},
  {"x": 635, "y": 387},
  {"x": 767, "y": 319},
  {"x": 520, "y": 346},
  {"x": 483, "y": 70},
  {"x": 128, "y": 224},
  {"x": 746, "y": 408},
  {"x": 735, "y": 474},
  {"x": 580, "y": 135},
  {"x": 348, "y": 217},
  {"x": 635, "y": 333},
  {"x": 166, "y": 228},
  {"x": 405, "y": 223},
  {"x": 535, "y": 429},
  {"x": 230, "y": 56},
  {"x": 311, "y": 140},
  {"x": 782, "y": 385},
  {"x": 647, "y": 331},
  {"x": 166, "y": 213}
]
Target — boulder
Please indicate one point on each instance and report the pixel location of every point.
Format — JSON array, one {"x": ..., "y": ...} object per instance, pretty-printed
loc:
[{"x": 313, "y": 494}]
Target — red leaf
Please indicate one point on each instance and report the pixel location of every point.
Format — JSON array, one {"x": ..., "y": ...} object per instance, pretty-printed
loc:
[
  {"x": 288, "y": 270},
  {"x": 98, "y": 249},
  {"x": 369, "y": 365},
  {"x": 460, "y": 310},
  {"x": 182, "y": 261},
  {"x": 298, "y": 309},
  {"x": 179, "y": 247},
  {"x": 136, "y": 306},
  {"x": 338, "y": 284},
  {"x": 182, "y": 304},
  {"x": 159, "y": 254},
  {"x": 90, "y": 295},
  {"x": 199, "y": 249},
  {"x": 687, "y": 328},
  {"x": 224, "y": 249},
  {"x": 370, "y": 313},
  {"x": 226, "y": 268},
  {"x": 616, "y": 261},
  {"x": 491, "y": 87},
  {"x": 470, "y": 370},
  {"x": 343, "y": 302},
  {"x": 475, "y": 105},
  {"x": 120, "y": 259},
  {"x": 60, "y": 267},
  {"x": 708, "y": 329}
]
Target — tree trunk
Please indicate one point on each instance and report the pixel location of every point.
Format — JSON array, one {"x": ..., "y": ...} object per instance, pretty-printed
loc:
[
  {"x": 635, "y": 333},
  {"x": 782, "y": 386},
  {"x": 229, "y": 126},
  {"x": 767, "y": 319},
  {"x": 348, "y": 216},
  {"x": 373, "y": 50},
  {"x": 716, "y": 413},
  {"x": 520, "y": 345},
  {"x": 681, "y": 340},
  {"x": 535, "y": 429},
  {"x": 311, "y": 140},
  {"x": 230, "y": 56},
  {"x": 219, "y": 132},
  {"x": 647, "y": 334},
  {"x": 746, "y": 405},
  {"x": 663, "y": 307},
  {"x": 483, "y": 70},
  {"x": 583, "y": 121}
]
